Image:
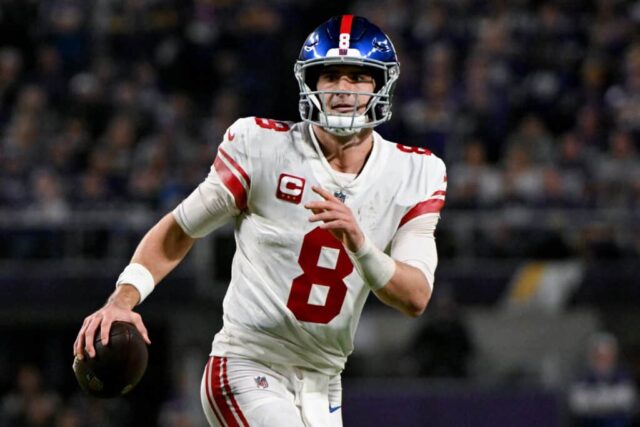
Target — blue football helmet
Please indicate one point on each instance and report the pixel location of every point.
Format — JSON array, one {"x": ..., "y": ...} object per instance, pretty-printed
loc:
[{"x": 347, "y": 40}]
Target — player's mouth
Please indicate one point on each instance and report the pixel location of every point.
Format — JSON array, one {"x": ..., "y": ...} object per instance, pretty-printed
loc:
[{"x": 344, "y": 108}]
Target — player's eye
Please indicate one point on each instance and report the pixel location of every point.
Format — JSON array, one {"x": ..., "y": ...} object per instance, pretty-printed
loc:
[
  {"x": 353, "y": 77},
  {"x": 332, "y": 77},
  {"x": 361, "y": 78}
]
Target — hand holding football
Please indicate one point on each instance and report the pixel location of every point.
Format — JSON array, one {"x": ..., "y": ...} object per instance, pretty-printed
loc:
[{"x": 117, "y": 367}]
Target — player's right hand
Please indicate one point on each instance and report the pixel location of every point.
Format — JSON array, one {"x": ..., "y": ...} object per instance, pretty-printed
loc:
[
  {"x": 115, "y": 309},
  {"x": 337, "y": 218}
]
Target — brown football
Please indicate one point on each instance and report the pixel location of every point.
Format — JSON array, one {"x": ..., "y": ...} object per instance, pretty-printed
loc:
[{"x": 117, "y": 367}]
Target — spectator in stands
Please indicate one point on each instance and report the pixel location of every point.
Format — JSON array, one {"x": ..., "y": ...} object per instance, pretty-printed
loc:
[
  {"x": 67, "y": 149},
  {"x": 29, "y": 404},
  {"x": 49, "y": 74},
  {"x": 14, "y": 173},
  {"x": 475, "y": 183},
  {"x": 590, "y": 129},
  {"x": 11, "y": 68},
  {"x": 24, "y": 138},
  {"x": 573, "y": 160},
  {"x": 87, "y": 101},
  {"x": 430, "y": 117},
  {"x": 615, "y": 172},
  {"x": 605, "y": 394},
  {"x": 623, "y": 99},
  {"x": 48, "y": 200},
  {"x": 117, "y": 146},
  {"x": 523, "y": 178},
  {"x": 91, "y": 191},
  {"x": 610, "y": 30},
  {"x": 484, "y": 105},
  {"x": 532, "y": 136}
]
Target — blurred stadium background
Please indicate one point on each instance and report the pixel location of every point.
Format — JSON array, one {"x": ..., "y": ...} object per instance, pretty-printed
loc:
[{"x": 111, "y": 112}]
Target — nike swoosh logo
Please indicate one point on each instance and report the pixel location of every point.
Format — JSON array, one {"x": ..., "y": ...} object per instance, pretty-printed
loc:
[
  {"x": 230, "y": 136},
  {"x": 333, "y": 409}
]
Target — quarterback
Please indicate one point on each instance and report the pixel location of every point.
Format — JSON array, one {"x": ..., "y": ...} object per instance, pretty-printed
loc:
[{"x": 325, "y": 211}]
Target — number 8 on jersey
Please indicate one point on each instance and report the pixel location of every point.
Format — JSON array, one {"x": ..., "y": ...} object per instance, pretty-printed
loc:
[{"x": 314, "y": 274}]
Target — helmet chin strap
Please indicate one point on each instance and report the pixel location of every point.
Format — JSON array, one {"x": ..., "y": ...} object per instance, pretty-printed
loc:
[{"x": 342, "y": 125}]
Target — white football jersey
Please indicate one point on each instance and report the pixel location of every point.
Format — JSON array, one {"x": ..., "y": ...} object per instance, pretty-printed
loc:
[{"x": 295, "y": 298}]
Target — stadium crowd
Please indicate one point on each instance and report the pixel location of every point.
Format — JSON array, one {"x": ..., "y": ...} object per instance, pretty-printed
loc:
[{"x": 113, "y": 103}]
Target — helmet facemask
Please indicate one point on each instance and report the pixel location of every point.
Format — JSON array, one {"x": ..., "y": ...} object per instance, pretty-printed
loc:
[{"x": 312, "y": 101}]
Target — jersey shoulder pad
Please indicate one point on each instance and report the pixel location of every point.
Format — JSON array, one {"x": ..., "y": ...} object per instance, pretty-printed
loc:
[
  {"x": 417, "y": 156},
  {"x": 424, "y": 169},
  {"x": 271, "y": 124},
  {"x": 238, "y": 130},
  {"x": 246, "y": 128}
]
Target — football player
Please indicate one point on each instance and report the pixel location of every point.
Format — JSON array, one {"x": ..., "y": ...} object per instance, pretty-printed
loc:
[{"x": 325, "y": 211}]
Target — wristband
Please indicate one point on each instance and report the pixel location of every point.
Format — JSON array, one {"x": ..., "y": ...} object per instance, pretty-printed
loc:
[
  {"x": 375, "y": 267},
  {"x": 139, "y": 277}
]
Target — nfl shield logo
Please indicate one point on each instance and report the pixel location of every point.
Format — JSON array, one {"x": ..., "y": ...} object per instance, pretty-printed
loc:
[
  {"x": 261, "y": 382},
  {"x": 340, "y": 195}
]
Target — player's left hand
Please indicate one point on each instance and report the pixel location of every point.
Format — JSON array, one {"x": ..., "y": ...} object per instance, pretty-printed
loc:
[{"x": 337, "y": 218}]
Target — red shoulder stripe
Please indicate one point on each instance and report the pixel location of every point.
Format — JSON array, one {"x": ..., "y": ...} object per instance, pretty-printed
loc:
[
  {"x": 236, "y": 165},
  {"x": 232, "y": 183},
  {"x": 432, "y": 205}
]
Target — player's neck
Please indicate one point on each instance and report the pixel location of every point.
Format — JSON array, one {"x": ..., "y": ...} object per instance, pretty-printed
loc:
[{"x": 345, "y": 154}]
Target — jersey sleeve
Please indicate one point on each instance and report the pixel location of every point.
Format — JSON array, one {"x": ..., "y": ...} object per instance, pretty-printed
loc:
[
  {"x": 414, "y": 242},
  {"x": 435, "y": 197},
  {"x": 224, "y": 192}
]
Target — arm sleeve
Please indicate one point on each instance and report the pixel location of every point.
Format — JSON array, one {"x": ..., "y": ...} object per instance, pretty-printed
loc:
[
  {"x": 208, "y": 207},
  {"x": 224, "y": 192},
  {"x": 414, "y": 244}
]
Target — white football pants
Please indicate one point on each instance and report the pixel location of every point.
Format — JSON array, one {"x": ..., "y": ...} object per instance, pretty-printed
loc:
[{"x": 239, "y": 392}]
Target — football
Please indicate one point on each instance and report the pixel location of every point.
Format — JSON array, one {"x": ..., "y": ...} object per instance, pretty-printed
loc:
[{"x": 117, "y": 367}]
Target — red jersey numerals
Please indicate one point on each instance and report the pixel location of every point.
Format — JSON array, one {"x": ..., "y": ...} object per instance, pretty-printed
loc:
[
  {"x": 414, "y": 150},
  {"x": 272, "y": 124},
  {"x": 314, "y": 274}
]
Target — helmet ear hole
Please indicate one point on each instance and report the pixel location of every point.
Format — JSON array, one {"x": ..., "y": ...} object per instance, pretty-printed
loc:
[
  {"x": 381, "y": 110},
  {"x": 304, "y": 108}
]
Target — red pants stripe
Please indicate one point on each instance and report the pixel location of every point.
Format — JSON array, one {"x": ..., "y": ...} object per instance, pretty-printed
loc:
[
  {"x": 210, "y": 394},
  {"x": 221, "y": 400}
]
